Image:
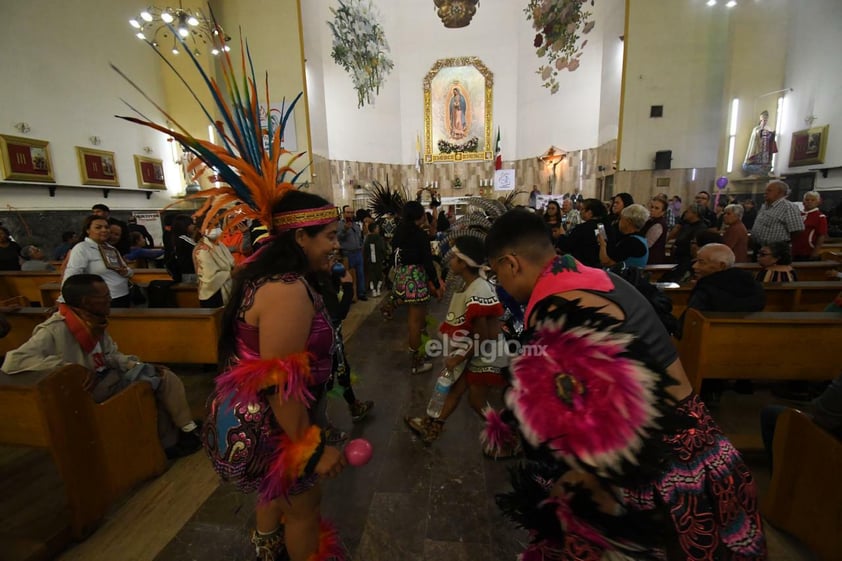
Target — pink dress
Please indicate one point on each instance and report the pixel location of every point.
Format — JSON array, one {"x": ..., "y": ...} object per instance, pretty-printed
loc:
[{"x": 241, "y": 438}]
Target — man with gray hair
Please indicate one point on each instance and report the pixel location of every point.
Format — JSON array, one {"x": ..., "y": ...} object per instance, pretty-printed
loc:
[
  {"x": 807, "y": 245},
  {"x": 721, "y": 287},
  {"x": 778, "y": 219},
  {"x": 735, "y": 235}
]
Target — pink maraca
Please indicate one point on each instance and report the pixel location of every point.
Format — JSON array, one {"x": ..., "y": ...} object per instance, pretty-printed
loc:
[{"x": 358, "y": 452}]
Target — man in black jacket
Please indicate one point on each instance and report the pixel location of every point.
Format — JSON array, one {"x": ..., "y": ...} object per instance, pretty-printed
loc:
[{"x": 721, "y": 287}]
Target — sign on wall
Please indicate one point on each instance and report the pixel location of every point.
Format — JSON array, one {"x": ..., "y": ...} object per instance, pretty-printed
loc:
[{"x": 504, "y": 180}]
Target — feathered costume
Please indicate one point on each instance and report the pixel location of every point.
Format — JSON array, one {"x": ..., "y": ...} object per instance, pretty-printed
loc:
[
  {"x": 616, "y": 466},
  {"x": 242, "y": 437}
]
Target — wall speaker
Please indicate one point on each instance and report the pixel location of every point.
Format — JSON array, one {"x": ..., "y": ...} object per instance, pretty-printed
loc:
[{"x": 663, "y": 159}]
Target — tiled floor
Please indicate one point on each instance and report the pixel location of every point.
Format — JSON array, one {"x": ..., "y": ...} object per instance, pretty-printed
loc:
[{"x": 412, "y": 502}]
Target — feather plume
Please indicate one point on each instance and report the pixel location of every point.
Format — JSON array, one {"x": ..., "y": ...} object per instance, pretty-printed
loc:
[
  {"x": 291, "y": 374},
  {"x": 290, "y": 463},
  {"x": 256, "y": 174},
  {"x": 385, "y": 200}
]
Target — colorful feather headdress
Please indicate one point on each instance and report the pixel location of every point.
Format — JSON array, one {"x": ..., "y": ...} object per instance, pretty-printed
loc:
[{"x": 257, "y": 173}]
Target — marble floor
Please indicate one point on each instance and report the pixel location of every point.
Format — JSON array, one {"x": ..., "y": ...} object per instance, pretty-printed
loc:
[{"x": 409, "y": 503}]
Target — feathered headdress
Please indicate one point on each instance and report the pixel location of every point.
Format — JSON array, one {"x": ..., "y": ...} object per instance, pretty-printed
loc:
[{"x": 257, "y": 172}]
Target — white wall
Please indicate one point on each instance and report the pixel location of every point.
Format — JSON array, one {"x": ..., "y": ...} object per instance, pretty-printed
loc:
[
  {"x": 812, "y": 71},
  {"x": 529, "y": 117},
  {"x": 56, "y": 78},
  {"x": 676, "y": 58}
]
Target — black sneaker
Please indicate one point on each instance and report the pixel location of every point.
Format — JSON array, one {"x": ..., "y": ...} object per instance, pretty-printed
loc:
[{"x": 188, "y": 443}]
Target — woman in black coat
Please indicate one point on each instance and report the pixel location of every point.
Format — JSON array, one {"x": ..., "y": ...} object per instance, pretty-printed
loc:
[{"x": 581, "y": 242}]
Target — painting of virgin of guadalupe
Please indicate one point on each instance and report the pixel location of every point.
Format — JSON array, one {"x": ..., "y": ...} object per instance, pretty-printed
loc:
[{"x": 457, "y": 111}]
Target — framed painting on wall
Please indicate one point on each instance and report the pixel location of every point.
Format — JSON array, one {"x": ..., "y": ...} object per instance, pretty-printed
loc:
[
  {"x": 150, "y": 173},
  {"x": 26, "y": 159},
  {"x": 808, "y": 146},
  {"x": 97, "y": 167},
  {"x": 457, "y": 111}
]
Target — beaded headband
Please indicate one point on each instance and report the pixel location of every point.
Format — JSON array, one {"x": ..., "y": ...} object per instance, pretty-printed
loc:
[{"x": 293, "y": 219}]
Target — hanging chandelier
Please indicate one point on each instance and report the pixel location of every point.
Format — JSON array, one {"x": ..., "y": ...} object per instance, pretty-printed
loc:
[
  {"x": 160, "y": 25},
  {"x": 456, "y": 13}
]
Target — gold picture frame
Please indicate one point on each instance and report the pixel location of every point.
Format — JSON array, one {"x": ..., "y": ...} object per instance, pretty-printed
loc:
[
  {"x": 98, "y": 167},
  {"x": 150, "y": 173},
  {"x": 458, "y": 101},
  {"x": 808, "y": 146},
  {"x": 26, "y": 159}
]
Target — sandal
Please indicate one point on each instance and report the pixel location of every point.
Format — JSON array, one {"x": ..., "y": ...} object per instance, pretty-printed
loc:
[{"x": 427, "y": 428}]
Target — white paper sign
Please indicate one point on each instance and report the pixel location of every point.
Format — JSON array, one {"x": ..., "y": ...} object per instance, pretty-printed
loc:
[
  {"x": 288, "y": 142},
  {"x": 504, "y": 180},
  {"x": 152, "y": 221}
]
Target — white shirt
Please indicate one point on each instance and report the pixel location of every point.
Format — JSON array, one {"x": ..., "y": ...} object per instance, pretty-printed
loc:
[{"x": 85, "y": 258}]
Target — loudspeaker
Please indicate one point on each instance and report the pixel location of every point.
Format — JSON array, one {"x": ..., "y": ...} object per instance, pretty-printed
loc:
[{"x": 663, "y": 159}]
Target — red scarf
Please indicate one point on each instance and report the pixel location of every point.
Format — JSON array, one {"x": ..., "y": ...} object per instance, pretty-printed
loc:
[
  {"x": 88, "y": 333},
  {"x": 563, "y": 273}
]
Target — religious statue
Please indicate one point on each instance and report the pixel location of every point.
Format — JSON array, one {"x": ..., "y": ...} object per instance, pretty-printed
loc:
[
  {"x": 457, "y": 115},
  {"x": 761, "y": 147}
]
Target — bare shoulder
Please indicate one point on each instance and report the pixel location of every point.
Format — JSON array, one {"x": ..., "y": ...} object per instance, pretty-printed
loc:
[{"x": 284, "y": 297}]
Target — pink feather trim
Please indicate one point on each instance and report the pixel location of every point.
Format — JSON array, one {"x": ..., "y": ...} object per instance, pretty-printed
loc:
[
  {"x": 572, "y": 524},
  {"x": 330, "y": 547},
  {"x": 288, "y": 465},
  {"x": 248, "y": 377},
  {"x": 497, "y": 436}
]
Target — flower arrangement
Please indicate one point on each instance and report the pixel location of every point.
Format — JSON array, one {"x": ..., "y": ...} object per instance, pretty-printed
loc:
[
  {"x": 558, "y": 23},
  {"x": 457, "y": 183},
  {"x": 360, "y": 47},
  {"x": 446, "y": 147}
]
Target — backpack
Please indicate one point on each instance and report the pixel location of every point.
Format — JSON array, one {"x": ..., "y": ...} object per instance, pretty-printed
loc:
[{"x": 662, "y": 304}]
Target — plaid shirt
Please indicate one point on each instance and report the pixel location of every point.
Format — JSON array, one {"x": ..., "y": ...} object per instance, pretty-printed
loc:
[{"x": 776, "y": 222}]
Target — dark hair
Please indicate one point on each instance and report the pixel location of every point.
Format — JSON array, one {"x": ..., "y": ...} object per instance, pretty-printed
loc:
[
  {"x": 181, "y": 224},
  {"x": 361, "y": 214},
  {"x": 412, "y": 211},
  {"x": 442, "y": 222},
  {"x": 519, "y": 228},
  {"x": 90, "y": 220},
  {"x": 67, "y": 236},
  {"x": 372, "y": 226},
  {"x": 136, "y": 238},
  {"x": 4, "y": 229},
  {"x": 703, "y": 192},
  {"x": 101, "y": 206},
  {"x": 596, "y": 207},
  {"x": 781, "y": 251},
  {"x": 276, "y": 257},
  {"x": 472, "y": 247},
  {"x": 557, "y": 207},
  {"x": 627, "y": 199},
  {"x": 77, "y": 287},
  {"x": 344, "y": 207}
]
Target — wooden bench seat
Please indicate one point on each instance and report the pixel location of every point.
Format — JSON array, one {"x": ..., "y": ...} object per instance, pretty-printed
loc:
[
  {"x": 186, "y": 294},
  {"x": 805, "y": 495},
  {"x": 762, "y": 345},
  {"x": 101, "y": 450},
  {"x": 806, "y": 270},
  {"x": 28, "y": 283},
  {"x": 161, "y": 335},
  {"x": 801, "y": 296}
]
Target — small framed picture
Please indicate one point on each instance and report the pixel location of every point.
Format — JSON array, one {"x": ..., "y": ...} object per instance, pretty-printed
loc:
[
  {"x": 808, "y": 146},
  {"x": 97, "y": 167},
  {"x": 26, "y": 159},
  {"x": 150, "y": 173},
  {"x": 111, "y": 258}
]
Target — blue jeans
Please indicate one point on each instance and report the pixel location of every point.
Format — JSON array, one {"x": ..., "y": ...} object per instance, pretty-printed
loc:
[{"x": 355, "y": 262}]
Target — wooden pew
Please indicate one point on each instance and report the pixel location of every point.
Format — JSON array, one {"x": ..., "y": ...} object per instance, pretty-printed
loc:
[
  {"x": 804, "y": 496},
  {"x": 806, "y": 270},
  {"x": 762, "y": 345},
  {"x": 28, "y": 283},
  {"x": 161, "y": 335},
  {"x": 806, "y": 296},
  {"x": 186, "y": 294},
  {"x": 101, "y": 450}
]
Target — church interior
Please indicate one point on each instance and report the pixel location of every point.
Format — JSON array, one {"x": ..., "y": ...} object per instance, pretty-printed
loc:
[{"x": 649, "y": 98}]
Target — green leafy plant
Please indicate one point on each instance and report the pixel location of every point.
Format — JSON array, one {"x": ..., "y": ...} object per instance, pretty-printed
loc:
[
  {"x": 446, "y": 147},
  {"x": 360, "y": 47},
  {"x": 559, "y": 24}
]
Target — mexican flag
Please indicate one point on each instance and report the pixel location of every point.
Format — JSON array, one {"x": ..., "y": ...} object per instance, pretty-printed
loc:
[{"x": 498, "y": 156}]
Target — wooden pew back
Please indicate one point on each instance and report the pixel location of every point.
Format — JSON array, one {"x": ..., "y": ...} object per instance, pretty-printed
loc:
[
  {"x": 806, "y": 270},
  {"x": 801, "y": 296},
  {"x": 805, "y": 497},
  {"x": 161, "y": 335},
  {"x": 763, "y": 345},
  {"x": 28, "y": 283},
  {"x": 100, "y": 450}
]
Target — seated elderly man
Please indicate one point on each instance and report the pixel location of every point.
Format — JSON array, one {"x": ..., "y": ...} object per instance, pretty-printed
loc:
[
  {"x": 721, "y": 287},
  {"x": 76, "y": 334}
]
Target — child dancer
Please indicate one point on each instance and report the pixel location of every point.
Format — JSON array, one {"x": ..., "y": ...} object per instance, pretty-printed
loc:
[
  {"x": 374, "y": 254},
  {"x": 473, "y": 317}
]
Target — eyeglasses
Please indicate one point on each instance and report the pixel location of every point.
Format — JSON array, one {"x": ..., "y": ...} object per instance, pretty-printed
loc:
[{"x": 497, "y": 261}]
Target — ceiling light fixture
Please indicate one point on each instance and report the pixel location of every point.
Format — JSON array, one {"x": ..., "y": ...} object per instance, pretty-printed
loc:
[
  {"x": 731, "y": 4},
  {"x": 154, "y": 25}
]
